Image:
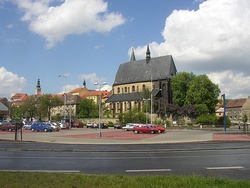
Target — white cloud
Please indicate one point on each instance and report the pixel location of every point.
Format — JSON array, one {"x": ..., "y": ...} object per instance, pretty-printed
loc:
[
  {"x": 210, "y": 40},
  {"x": 10, "y": 83},
  {"x": 94, "y": 79},
  {"x": 54, "y": 23}
]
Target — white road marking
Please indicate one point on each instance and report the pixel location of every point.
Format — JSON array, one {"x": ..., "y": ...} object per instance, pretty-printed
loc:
[
  {"x": 224, "y": 167},
  {"x": 150, "y": 170},
  {"x": 45, "y": 171}
]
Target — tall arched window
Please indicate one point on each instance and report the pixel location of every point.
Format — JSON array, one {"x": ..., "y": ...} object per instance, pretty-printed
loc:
[
  {"x": 143, "y": 87},
  {"x": 126, "y": 90},
  {"x": 118, "y": 90},
  {"x": 133, "y": 88}
]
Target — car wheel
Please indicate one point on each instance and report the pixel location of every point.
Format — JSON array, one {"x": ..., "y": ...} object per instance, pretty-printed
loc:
[
  {"x": 152, "y": 132},
  {"x": 25, "y": 128},
  {"x": 10, "y": 130},
  {"x": 125, "y": 129},
  {"x": 159, "y": 131},
  {"x": 45, "y": 130},
  {"x": 32, "y": 130},
  {"x": 136, "y": 132}
]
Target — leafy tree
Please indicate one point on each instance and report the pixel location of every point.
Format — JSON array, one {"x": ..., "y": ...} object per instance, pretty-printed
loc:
[
  {"x": 203, "y": 91},
  {"x": 180, "y": 85},
  {"x": 195, "y": 90},
  {"x": 29, "y": 107},
  {"x": 46, "y": 103},
  {"x": 88, "y": 109}
]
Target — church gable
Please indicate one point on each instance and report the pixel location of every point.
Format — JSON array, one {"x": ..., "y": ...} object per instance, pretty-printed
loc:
[{"x": 159, "y": 68}]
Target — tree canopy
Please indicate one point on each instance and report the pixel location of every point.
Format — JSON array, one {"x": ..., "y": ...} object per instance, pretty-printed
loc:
[{"x": 200, "y": 91}]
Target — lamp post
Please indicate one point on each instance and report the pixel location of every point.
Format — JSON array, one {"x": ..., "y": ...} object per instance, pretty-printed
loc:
[
  {"x": 146, "y": 110},
  {"x": 100, "y": 101},
  {"x": 64, "y": 111},
  {"x": 223, "y": 97},
  {"x": 151, "y": 98}
]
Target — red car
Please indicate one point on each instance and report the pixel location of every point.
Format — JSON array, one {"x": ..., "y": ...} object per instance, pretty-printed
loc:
[
  {"x": 77, "y": 124},
  {"x": 160, "y": 128},
  {"x": 144, "y": 129},
  {"x": 7, "y": 126}
]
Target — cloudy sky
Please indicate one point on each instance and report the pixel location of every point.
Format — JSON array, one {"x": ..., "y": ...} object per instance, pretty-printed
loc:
[{"x": 89, "y": 39}]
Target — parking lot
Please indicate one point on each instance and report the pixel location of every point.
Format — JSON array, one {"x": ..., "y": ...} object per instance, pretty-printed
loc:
[{"x": 119, "y": 136}]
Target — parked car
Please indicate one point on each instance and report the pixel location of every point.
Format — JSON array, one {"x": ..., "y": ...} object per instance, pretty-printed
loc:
[
  {"x": 128, "y": 127},
  {"x": 38, "y": 126},
  {"x": 102, "y": 126},
  {"x": 6, "y": 126},
  {"x": 117, "y": 126},
  {"x": 160, "y": 128},
  {"x": 91, "y": 125},
  {"x": 64, "y": 124},
  {"x": 145, "y": 129},
  {"x": 27, "y": 125},
  {"x": 54, "y": 126},
  {"x": 77, "y": 124}
]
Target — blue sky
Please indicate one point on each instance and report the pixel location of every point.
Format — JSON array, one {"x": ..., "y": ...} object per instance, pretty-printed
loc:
[{"x": 89, "y": 39}]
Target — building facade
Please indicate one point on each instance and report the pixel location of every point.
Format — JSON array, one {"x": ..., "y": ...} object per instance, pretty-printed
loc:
[{"x": 133, "y": 78}]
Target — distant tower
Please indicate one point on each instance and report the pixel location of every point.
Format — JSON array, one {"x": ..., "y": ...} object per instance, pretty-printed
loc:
[
  {"x": 132, "y": 57},
  {"x": 84, "y": 84},
  {"x": 38, "y": 88},
  {"x": 148, "y": 54}
]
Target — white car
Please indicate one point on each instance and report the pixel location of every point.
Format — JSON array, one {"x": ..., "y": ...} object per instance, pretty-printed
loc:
[
  {"x": 91, "y": 125},
  {"x": 128, "y": 127}
]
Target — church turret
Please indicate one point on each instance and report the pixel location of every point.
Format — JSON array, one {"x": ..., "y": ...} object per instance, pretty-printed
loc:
[
  {"x": 132, "y": 57},
  {"x": 84, "y": 84},
  {"x": 148, "y": 54},
  {"x": 38, "y": 88}
]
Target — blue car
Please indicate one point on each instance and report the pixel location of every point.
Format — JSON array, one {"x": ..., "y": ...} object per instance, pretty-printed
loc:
[{"x": 40, "y": 127}]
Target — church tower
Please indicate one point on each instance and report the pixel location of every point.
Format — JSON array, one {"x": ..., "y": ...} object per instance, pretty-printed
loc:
[{"x": 38, "y": 88}]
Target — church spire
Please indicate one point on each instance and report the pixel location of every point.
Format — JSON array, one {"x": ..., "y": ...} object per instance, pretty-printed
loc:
[
  {"x": 148, "y": 54},
  {"x": 38, "y": 87},
  {"x": 84, "y": 84},
  {"x": 132, "y": 57}
]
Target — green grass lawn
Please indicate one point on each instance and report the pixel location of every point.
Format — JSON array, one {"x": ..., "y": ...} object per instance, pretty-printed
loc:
[{"x": 60, "y": 180}]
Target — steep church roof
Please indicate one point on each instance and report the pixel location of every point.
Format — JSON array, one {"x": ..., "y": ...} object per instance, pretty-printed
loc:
[{"x": 159, "y": 68}]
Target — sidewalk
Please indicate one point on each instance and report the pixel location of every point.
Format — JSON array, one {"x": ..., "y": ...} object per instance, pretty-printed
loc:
[{"x": 114, "y": 136}]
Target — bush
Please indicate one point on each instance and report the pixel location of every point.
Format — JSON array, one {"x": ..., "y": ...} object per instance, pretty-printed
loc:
[{"x": 207, "y": 119}]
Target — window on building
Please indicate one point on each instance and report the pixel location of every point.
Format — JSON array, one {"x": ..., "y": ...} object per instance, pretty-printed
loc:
[
  {"x": 143, "y": 87},
  {"x": 118, "y": 90},
  {"x": 126, "y": 90},
  {"x": 133, "y": 88}
]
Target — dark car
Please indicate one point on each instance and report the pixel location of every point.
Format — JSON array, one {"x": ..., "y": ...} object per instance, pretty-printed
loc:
[
  {"x": 117, "y": 126},
  {"x": 7, "y": 126},
  {"x": 102, "y": 126},
  {"x": 144, "y": 129},
  {"x": 37, "y": 126},
  {"x": 77, "y": 124}
]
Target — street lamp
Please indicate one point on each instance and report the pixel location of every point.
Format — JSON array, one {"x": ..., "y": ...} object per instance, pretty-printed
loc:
[
  {"x": 146, "y": 110},
  {"x": 64, "y": 112},
  {"x": 100, "y": 101},
  {"x": 151, "y": 98}
]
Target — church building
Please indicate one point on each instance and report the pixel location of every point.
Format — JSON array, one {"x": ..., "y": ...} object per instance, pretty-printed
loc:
[{"x": 133, "y": 78}]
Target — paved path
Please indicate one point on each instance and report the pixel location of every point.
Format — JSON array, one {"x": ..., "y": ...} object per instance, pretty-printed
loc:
[{"x": 114, "y": 136}]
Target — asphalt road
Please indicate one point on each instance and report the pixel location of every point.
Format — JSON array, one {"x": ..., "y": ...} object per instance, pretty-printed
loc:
[{"x": 209, "y": 159}]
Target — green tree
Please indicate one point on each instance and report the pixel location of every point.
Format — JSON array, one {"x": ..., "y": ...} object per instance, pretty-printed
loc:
[
  {"x": 46, "y": 103},
  {"x": 88, "y": 109},
  {"x": 203, "y": 91},
  {"x": 29, "y": 107},
  {"x": 180, "y": 85}
]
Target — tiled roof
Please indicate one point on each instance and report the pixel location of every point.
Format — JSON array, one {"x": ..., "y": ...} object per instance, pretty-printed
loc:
[
  {"x": 94, "y": 93},
  {"x": 125, "y": 97},
  {"x": 233, "y": 103},
  {"x": 159, "y": 68},
  {"x": 19, "y": 96}
]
